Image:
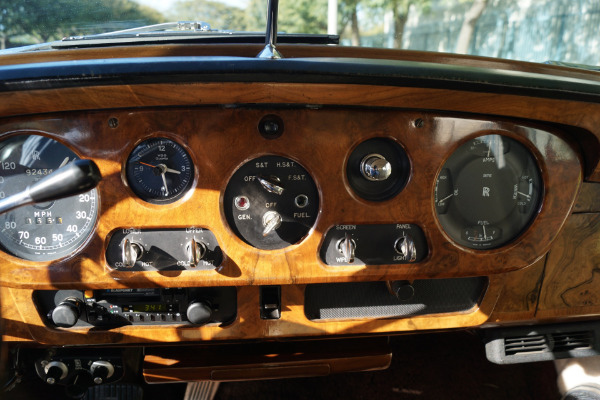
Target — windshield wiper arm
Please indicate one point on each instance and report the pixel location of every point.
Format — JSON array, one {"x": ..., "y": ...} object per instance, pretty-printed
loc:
[{"x": 167, "y": 27}]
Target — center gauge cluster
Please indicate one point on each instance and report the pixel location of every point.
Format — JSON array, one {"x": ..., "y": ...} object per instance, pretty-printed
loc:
[{"x": 271, "y": 202}]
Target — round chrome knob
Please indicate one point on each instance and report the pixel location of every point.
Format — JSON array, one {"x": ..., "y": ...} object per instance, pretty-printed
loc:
[
  {"x": 55, "y": 371},
  {"x": 375, "y": 167},
  {"x": 101, "y": 370}
]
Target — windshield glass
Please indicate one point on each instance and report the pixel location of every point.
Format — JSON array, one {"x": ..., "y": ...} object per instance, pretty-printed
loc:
[{"x": 528, "y": 30}]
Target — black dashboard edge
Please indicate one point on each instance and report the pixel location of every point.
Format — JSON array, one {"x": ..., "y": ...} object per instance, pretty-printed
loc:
[{"x": 127, "y": 71}]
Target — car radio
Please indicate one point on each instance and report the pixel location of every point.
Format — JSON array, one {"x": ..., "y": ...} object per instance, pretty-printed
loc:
[{"x": 148, "y": 306}]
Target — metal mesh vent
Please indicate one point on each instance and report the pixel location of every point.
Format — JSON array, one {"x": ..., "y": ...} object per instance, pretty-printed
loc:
[{"x": 548, "y": 343}]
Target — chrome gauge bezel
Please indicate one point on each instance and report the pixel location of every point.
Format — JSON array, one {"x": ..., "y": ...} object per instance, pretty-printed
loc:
[
  {"x": 48, "y": 231},
  {"x": 502, "y": 191}
]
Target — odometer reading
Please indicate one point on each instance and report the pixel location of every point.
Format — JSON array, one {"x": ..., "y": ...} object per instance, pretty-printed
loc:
[
  {"x": 159, "y": 171},
  {"x": 44, "y": 231},
  {"x": 488, "y": 192}
]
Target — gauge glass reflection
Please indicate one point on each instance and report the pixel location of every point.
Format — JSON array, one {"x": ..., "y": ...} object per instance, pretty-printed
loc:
[
  {"x": 159, "y": 171},
  {"x": 488, "y": 192},
  {"x": 44, "y": 231}
]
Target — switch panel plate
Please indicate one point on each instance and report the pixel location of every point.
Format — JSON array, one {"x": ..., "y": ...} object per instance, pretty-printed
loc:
[
  {"x": 163, "y": 249},
  {"x": 374, "y": 244}
]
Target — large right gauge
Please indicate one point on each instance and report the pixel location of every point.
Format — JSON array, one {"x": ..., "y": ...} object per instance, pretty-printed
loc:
[{"x": 488, "y": 192}]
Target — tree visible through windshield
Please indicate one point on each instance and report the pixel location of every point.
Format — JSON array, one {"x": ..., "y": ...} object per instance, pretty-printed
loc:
[{"x": 530, "y": 30}]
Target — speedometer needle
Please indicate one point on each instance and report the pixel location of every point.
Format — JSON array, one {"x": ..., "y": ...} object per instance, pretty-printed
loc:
[{"x": 65, "y": 161}]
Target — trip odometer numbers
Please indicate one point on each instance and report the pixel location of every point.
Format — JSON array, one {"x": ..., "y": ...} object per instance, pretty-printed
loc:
[
  {"x": 159, "y": 171},
  {"x": 44, "y": 231}
]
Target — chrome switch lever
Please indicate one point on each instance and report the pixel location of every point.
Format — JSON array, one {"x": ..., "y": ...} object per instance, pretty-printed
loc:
[
  {"x": 346, "y": 247},
  {"x": 131, "y": 252},
  {"x": 405, "y": 246},
  {"x": 196, "y": 252},
  {"x": 270, "y": 184},
  {"x": 271, "y": 220}
]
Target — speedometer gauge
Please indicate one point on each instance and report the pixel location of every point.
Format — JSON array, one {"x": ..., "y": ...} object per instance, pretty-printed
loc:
[
  {"x": 44, "y": 231},
  {"x": 488, "y": 192},
  {"x": 159, "y": 171}
]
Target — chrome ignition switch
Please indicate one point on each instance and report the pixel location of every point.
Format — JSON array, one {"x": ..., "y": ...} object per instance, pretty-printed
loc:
[{"x": 375, "y": 167}]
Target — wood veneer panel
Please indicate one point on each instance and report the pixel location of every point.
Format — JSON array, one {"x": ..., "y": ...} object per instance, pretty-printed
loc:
[
  {"x": 219, "y": 140},
  {"x": 26, "y": 322},
  {"x": 519, "y": 297},
  {"x": 572, "y": 283},
  {"x": 585, "y": 116},
  {"x": 270, "y": 361},
  {"x": 588, "y": 199}
]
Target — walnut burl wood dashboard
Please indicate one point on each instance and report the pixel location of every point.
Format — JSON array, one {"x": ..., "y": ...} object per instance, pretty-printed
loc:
[{"x": 272, "y": 212}]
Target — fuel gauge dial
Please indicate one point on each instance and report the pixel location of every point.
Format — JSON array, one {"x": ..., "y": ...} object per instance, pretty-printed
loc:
[{"x": 488, "y": 192}]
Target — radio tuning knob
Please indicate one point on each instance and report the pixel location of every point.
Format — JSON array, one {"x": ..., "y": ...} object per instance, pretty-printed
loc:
[
  {"x": 346, "y": 247},
  {"x": 405, "y": 246},
  {"x": 131, "y": 252},
  {"x": 196, "y": 252},
  {"x": 66, "y": 314},
  {"x": 374, "y": 167},
  {"x": 199, "y": 313}
]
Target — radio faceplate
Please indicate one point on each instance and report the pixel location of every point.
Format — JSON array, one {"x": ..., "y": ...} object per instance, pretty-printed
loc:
[{"x": 153, "y": 306}]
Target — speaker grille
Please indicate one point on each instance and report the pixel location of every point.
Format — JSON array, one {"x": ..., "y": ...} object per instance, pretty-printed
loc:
[{"x": 373, "y": 299}]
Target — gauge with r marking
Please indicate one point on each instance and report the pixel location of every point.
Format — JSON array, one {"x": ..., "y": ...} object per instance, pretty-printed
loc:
[
  {"x": 488, "y": 192},
  {"x": 159, "y": 171}
]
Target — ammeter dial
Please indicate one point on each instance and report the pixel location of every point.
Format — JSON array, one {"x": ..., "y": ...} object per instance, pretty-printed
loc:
[
  {"x": 159, "y": 171},
  {"x": 44, "y": 231},
  {"x": 271, "y": 202},
  {"x": 488, "y": 192}
]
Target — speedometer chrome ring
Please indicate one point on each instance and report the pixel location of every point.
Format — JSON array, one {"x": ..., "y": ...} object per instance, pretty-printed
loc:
[{"x": 44, "y": 231}]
